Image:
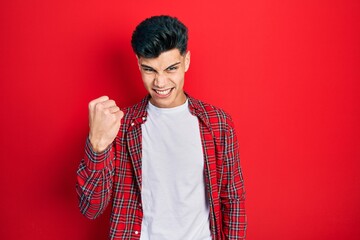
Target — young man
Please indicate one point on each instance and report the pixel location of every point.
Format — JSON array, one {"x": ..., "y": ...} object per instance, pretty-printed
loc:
[{"x": 169, "y": 164}]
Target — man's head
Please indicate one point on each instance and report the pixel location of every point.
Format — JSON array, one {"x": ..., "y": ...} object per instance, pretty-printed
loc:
[
  {"x": 159, "y": 34},
  {"x": 160, "y": 44}
]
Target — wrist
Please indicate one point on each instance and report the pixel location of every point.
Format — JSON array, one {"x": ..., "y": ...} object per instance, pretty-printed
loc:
[
  {"x": 98, "y": 146},
  {"x": 97, "y": 161}
]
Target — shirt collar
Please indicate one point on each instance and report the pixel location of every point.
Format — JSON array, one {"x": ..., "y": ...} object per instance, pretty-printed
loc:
[{"x": 139, "y": 112}]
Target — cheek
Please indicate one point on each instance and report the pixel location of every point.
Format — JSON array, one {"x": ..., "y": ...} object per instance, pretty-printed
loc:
[
  {"x": 178, "y": 79},
  {"x": 147, "y": 81}
]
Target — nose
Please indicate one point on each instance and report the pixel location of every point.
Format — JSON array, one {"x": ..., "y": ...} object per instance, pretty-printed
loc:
[{"x": 160, "y": 80}]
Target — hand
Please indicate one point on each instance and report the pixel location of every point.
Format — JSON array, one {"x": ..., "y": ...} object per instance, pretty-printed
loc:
[{"x": 104, "y": 122}]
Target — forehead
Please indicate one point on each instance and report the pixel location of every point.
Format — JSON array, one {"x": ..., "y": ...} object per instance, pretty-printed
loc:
[{"x": 164, "y": 60}]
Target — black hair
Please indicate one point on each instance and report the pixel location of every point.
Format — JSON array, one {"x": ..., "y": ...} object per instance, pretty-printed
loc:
[{"x": 158, "y": 34}]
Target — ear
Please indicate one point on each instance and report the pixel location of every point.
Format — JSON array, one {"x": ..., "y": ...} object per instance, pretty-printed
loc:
[
  {"x": 138, "y": 61},
  {"x": 187, "y": 61}
]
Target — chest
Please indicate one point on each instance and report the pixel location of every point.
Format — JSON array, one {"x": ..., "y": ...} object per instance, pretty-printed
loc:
[{"x": 172, "y": 143}]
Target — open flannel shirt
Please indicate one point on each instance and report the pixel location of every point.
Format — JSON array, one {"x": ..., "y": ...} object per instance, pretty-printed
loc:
[{"x": 116, "y": 174}]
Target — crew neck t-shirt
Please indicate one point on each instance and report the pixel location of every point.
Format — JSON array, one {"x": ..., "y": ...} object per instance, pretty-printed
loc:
[{"x": 174, "y": 199}]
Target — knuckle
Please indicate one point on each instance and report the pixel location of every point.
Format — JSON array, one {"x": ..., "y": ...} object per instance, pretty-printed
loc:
[
  {"x": 120, "y": 114},
  {"x": 91, "y": 104},
  {"x": 99, "y": 106},
  {"x": 112, "y": 103}
]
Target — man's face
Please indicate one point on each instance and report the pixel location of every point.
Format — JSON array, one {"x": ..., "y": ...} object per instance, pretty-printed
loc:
[{"x": 163, "y": 77}]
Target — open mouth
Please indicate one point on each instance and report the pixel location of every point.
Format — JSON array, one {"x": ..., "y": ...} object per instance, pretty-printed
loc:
[{"x": 163, "y": 93}]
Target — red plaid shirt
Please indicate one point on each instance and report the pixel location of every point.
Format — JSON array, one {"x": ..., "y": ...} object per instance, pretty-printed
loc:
[{"x": 115, "y": 174}]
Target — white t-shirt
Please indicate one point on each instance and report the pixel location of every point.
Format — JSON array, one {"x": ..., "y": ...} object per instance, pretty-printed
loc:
[{"x": 174, "y": 199}]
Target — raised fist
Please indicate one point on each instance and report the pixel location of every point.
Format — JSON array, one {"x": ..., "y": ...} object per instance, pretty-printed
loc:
[{"x": 104, "y": 122}]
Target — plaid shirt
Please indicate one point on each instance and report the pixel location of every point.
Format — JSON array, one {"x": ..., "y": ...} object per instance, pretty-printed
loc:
[{"x": 115, "y": 174}]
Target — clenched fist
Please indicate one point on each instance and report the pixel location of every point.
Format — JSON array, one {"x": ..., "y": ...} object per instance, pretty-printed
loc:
[{"x": 104, "y": 122}]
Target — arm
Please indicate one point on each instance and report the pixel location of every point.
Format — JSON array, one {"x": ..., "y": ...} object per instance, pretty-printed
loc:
[
  {"x": 96, "y": 170},
  {"x": 94, "y": 181},
  {"x": 232, "y": 194}
]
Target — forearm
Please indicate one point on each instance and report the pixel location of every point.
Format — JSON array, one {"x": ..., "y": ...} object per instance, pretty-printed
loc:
[
  {"x": 233, "y": 206},
  {"x": 233, "y": 191},
  {"x": 94, "y": 181},
  {"x": 234, "y": 219}
]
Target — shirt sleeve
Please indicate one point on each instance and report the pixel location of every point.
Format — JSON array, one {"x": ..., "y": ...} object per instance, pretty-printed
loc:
[
  {"x": 95, "y": 180},
  {"x": 232, "y": 194}
]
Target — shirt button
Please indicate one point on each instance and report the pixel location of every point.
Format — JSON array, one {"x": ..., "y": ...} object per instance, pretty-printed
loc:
[
  {"x": 144, "y": 118},
  {"x": 136, "y": 232},
  {"x": 132, "y": 124},
  {"x": 140, "y": 204}
]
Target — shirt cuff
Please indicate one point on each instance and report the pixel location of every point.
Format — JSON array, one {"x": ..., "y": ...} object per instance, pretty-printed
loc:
[{"x": 97, "y": 161}]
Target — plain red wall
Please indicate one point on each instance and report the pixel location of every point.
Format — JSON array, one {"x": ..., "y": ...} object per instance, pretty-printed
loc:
[{"x": 287, "y": 71}]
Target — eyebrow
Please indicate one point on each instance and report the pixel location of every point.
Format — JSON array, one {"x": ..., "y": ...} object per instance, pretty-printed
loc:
[{"x": 172, "y": 65}]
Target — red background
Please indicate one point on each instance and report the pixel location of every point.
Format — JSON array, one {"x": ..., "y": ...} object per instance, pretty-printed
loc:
[{"x": 287, "y": 71}]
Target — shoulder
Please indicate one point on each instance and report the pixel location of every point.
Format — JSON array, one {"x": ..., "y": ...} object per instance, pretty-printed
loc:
[
  {"x": 213, "y": 114},
  {"x": 137, "y": 108},
  {"x": 135, "y": 111}
]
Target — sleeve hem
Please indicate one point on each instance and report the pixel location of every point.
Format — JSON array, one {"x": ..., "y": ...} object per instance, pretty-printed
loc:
[{"x": 97, "y": 161}]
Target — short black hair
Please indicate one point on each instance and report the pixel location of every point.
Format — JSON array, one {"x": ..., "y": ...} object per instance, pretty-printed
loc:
[{"x": 158, "y": 34}]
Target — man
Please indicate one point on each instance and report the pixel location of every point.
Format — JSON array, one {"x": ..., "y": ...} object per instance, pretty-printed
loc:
[{"x": 169, "y": 164}]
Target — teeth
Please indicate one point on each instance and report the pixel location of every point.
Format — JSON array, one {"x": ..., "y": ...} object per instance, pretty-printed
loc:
[{"x": 163, "y": 92}]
